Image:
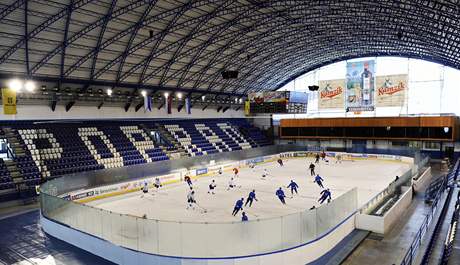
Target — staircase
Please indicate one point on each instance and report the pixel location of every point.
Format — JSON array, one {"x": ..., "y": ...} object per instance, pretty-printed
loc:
[
  {"x": 16, "y": 146},
  {"x": 178, "y": 151},
  {"x": 18, "y": 151},
  {"x": 244, "y": 131}
]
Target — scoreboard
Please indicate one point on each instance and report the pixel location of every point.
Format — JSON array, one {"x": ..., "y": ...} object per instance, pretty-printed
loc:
[{"x": 276, "y": 102}]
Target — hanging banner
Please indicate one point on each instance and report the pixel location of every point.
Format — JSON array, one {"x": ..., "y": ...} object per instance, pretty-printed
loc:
[
  {"x": 391, "y": 90},
  {"x": 9, "y": 101},
  {"x": 247, "y": 107},
  {"x": 360, "y": 86},
  {"x": 148, "y": 104},
  {"x": 188, "y": 106},
  {"x": 331, "y": 94},
  {"x": 169, "y": 104}
]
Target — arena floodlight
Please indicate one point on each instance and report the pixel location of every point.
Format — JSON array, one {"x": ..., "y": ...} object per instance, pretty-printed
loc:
[
  {"x": 15, "y": 85},
  {"x": 166, "y": 94},
  {"x": 203, "y": 98},
  {"x": 179, "y": 95},
  {"x": 144, "y": 93},
  {"x": 446, "y": 129},
  {"x": 29, "y": 86},
  {"x": 109, "y": 92}
]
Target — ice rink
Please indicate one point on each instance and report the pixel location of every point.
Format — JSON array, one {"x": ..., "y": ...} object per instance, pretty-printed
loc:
[{"x": 169, "y": 202}]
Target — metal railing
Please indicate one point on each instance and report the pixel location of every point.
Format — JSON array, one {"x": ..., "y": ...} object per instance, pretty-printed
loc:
[
  {"x": 417, "y": 241},
  {"x": 394, "y": 186}
]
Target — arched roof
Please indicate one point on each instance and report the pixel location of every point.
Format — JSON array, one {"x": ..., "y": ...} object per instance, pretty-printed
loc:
[{"x": 185, "y": 45}]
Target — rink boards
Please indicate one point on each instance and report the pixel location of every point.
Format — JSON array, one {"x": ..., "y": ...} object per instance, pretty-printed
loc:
[
  {"x": 88, "y": 195},
  {"x": 299, "y": 238}
]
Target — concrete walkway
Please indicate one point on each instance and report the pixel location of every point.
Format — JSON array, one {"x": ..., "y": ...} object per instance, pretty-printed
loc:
[{"x": 392, "y": 248}]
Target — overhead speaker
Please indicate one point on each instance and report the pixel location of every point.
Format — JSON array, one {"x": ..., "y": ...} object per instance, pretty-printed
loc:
[
  {"x": 313, "y": 88},
  {"x": 229, "y": 75}
]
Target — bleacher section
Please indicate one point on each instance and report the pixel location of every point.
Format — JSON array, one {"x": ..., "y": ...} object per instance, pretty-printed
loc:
[
  {"x": 51, "y": 149},
  {"x": 5, "y": 179},
  {"x": 207, "y": 136}
]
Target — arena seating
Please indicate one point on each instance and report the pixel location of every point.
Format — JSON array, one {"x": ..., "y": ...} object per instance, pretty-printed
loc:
[
  {"x": 5, "y": 179},
  {"x": 70, "y": 148},
  {"x": 48, "y": 150},
  {"x": 253, "y": 133},
  {"x": 201, "y": 137}
]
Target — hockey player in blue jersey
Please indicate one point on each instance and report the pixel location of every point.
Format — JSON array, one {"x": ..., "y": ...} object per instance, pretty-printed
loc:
[
  {"x": 325, "y": 194},
  {"x": 238, "y": 206},
  {"x": 244, "y": 217},
  {"x": 319, "y": 180},
  {"x": 281, "y": 196},
  {"x": 293, "y": 187},
  {"x": 251, "y": 197}
]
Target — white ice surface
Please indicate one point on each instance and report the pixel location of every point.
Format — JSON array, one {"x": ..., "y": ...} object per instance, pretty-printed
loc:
[{"x": 169, "y": 203}]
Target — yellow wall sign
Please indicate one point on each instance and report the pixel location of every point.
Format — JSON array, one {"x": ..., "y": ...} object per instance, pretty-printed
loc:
[{"x": 9, "y": 101}]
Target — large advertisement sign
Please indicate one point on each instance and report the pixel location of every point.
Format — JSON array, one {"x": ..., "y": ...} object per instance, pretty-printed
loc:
[
  {"x": 331, "y": 94},
  {"x": 275, "y": 96},
  {"x": 257, "y": 97},
  {"x": 360, "y": 86},
  {"x": 391, "y": 90},
  {"x": 268, "y": 97}
]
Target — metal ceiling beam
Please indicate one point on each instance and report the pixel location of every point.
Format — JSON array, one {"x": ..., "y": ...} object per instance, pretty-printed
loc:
[
  {"x": 64, "y": 41},
  {"x": 205, "y": 19},
  {"x": 247, "y": 16},
  {"x": 105, "y": 21},
  {"x": 133, "y": 35},
  {"x": 43, "y": 26},
  {"x": 149, "y": 58},
  {"x": 9, "y": 9},
  {"x": 180, "y": 27},
  {"x": 26, "y": 33},
  {"x": 86, "y": 30},
  {"x": 123, "y": 33},
  {"x": 103, "y": 83}
]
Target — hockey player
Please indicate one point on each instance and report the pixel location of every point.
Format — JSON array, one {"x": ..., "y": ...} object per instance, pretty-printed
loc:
[
  {"x": 280, "y": 194},
  {"x": 145, "y": 189},
  {"x": 265, "y": 173},
  {"x": 212, "y": 186},
  {"x": 235, "y": 172},
  {"x": 231, "y": 184},
  {"x": 325, "y": 194},
  {"x": 317, "y": 158},
  {"x": 244, "y": 217},
  {"x": 280, "y": 162},
  {"x": 191, "y": 199},
  {"x": 338, "y": 159},
  {"x": 188, "y": 180},
  {"x": 220, "y": 171},
  {"x": 293, "y": 187},
  {"x": 323, "y": 155},
  {"x": 312, "y": 169},
  {"x": 251, "y": 197},
  {"x": 319, "y": 180},
  {"x": 157, "y": 183},
  {"x": 238, "y": 206}
]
